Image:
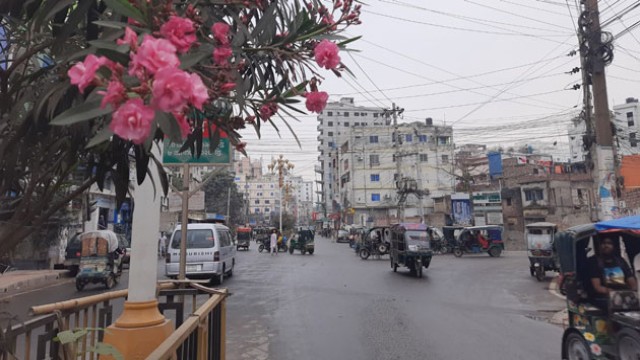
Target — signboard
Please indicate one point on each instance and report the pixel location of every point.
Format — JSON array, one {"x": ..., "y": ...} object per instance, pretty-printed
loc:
[
  {"x": 461, "y": 211},
  {"x": 196, "y": 201},
  {"x": 221, "y": 155}
]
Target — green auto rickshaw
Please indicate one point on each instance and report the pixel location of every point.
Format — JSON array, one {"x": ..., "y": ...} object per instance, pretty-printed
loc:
[
  {"x": 100, "y": 260},
  {"x": 303, "y": 240}
]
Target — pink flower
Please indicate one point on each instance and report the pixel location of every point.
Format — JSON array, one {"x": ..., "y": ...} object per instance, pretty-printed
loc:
[
  {"x": 226, "y": 87},
  {"x": 153, "y": 55},
  {"x": 132, "y": 121},
  {"x": 171, "y": 89},
  {"x": 241, "y": 146},
  {"x": 199, "y": 92},
  {"x": 185, "y": 128},
  {"x": 220, "y": 32},
  {"x": 130, "y": 38},
  {"x": 83, "y": 73},
  {"x": 316, "y": 101},
  {"x": 114, "y": 95},
  {"x": 326, "y": 54},
  {"x": 180, "y": 31},
  {"x": 222, "y": 54},
  {"x": 268, "y": 110}
]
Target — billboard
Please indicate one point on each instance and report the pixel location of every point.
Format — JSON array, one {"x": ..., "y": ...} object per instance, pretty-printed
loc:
[{"x": 461, "y": 211}]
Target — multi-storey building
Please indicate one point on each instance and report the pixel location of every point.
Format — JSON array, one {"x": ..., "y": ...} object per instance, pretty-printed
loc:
[
  {"x": 366, "y": 180},
  {"x": 334, "y": 124},
  {"x": 627, "y": 127}
]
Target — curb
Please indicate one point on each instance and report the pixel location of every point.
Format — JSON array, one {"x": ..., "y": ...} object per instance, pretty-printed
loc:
[
  {"x": 25, "y": 282},
  {"x": 561, "y": 317}
]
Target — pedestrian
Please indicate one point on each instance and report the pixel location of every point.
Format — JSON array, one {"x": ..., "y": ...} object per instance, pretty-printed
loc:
[
  {"x": 162, "y": 243},
  {"x": 274, "y": 242}
]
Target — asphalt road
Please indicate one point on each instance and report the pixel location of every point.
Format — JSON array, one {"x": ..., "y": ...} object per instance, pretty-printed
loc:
[{"x": 332, "y": 305}]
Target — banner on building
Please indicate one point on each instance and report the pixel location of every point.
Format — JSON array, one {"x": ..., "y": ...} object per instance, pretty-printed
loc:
[
  {"x": 461, "y": 211},
  {"x": 495, "y": 164},
  {"x": 521, "y": 160}
]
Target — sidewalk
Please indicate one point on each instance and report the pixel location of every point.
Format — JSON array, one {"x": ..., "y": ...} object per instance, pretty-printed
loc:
[{"x": 14, "y": 282}]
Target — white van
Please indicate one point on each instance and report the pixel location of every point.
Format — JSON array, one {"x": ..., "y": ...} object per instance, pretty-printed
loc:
[{"x": 210, "y": 252}]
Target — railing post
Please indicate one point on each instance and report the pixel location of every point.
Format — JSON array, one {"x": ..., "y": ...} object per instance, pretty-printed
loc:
[
  {"x": 203, "y": 338},
  {"x": 223, "y": 328}
]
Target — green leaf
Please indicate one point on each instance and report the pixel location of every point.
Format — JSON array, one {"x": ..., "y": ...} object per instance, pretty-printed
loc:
[
  {"x": 83, "y": 112},
  {"x": 102, "y": 136},
  {"x": 110, "y": 45},
  {"x": 107, "y": 349},
  {"x": 111, "y": 24},
  {"x": 123, "y": 7},
  {"x": 169, "y": 126},
  {"x": 343, "y": 43},
  {"x": 191, "y": 59},
  {"x": 66, "y": 337},
  {"x": 162, "y": 174}
]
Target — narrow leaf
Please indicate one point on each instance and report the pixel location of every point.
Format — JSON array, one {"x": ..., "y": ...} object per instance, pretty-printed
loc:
[
  {"x": 191, "y": 59},
  {"x": 103, "y": 135},
  {"x": 83, "y": 112},
  {"x": 169, "y": 126},
  {"x": 111, "y": 24},
  {"x": 123, "y": 7}
]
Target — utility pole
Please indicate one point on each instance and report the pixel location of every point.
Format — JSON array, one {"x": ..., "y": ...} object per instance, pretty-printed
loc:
[
  {"x": 396, "y": 154},
  {"x": 596, "y": 55}
]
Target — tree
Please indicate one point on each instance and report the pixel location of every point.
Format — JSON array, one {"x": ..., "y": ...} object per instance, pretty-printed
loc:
[
  {"x": 216, "y": 190},
  {"x": 95, "y": 83}
]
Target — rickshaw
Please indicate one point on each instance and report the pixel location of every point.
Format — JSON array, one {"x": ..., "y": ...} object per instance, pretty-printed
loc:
[
  {"x": 479, "y": 239},
  {"x": 610, "y": 331},
  {"x": 243, "y": 237},
  {"x": 303, "y": 240},
  {"x": 374, "y": 242},
  {"x": 100, "y": 260},
  {"x": 542, "y": 257},
  {"x": 410, "y": 247},
  {"x": 449, "y": 239}
]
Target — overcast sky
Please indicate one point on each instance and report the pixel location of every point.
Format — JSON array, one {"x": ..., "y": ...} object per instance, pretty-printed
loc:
[{"x": 494, "y": 69}]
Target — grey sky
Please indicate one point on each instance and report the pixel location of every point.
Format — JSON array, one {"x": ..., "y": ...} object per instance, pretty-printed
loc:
[{"x": 494, "y": 69}]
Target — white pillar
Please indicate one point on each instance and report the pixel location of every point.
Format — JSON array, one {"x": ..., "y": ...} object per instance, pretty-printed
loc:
[{"x": 143, "y": 270}]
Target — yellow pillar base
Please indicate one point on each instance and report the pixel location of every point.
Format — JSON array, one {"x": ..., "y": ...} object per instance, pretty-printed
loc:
[{"x": 138, "y": 331}]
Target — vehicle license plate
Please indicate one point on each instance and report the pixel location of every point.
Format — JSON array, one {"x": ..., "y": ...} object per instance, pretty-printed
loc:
[{"x": 194, "y": 267}]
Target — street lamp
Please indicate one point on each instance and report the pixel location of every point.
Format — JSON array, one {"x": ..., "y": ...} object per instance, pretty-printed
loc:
[{"x": 282, "y": 166}]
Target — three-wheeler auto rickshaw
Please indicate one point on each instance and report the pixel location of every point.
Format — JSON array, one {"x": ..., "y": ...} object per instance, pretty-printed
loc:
[
  {"x": 410, "y": 247},
  {"x": 100, "y": 260},
  {"x": 479, "y": 239},
  {"x": 243, "y": 237},
  {"x": 449, "y": 239},
  {"x": 540, "y": 250},
  {"x": 374, "y": 242},
  {"x": 303, "y": 240},
  {"x": 606, "y": 331}
]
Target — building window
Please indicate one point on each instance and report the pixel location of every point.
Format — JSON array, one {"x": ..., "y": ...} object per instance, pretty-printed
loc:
[
  {"x": 445, "y": 159},
  {"x": 346, "y": 114},
  {"x": 508, "y": 201},
  {"x": 356, "y": 114},
  {"x": 257, "y": 202},
  {"x": 443, "y": 140},
  {"x": 375, "y": 197},
  {"x": 329, "y": 123},
  {"x": 346, "y": 124},
  {"x": 408, "y": 137},
  {"x": 422, "y": 138},
  {"x": 267, "y": 210},
  {"x": 424, "y": 158},
  {"x": 330, "y": 144},
  {"x": 259, "y": 186},
  {"x": 330, "y": 133},
  {"x": 373, "y": 139},
  {"x": 356, "y": 124},
  {"x": 267, "y": 201},
  {"x": 533, "y": 194},
  {"x": 630, "y": 121},
  {"x": 375, "y": 177},
  {"x": 632, "y": 139},
  {"x": 329, "y": 113},
  {"x": 257, "y": 210},
  {"x": 374, "y": 160}
]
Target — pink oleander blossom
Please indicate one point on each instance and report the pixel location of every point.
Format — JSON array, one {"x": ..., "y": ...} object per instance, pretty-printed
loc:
[
  {"x": 220, "y": 31},
  {"x": 132, "y": 121},
  {"x": 222, "y": 54},
  {"x": 130, "y": 38},
  {"x": 316, "y": 101},
  {"x": 172, "y": 89},
  {"x": 83, "y": 73},
  {"x": 153, "y": 55},
  {"x": 115, "y": 94},
  {"x": 268, "y": 110},
  {"x": 180, "y": 31},
  {"x": 326, "y": 54},
  {"x": 226, "y": 87},
  {"x": 199, "y": 92}
]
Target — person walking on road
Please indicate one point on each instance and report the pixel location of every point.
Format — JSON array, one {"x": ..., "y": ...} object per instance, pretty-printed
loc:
[{"x": 274, "y": 242}]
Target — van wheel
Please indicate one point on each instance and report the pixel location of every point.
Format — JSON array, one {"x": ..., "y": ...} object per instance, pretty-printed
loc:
[
  {"x": 218, "y": 279},
  {"x": 79, "y": 285},
  {"x": 233, "y": 264}
]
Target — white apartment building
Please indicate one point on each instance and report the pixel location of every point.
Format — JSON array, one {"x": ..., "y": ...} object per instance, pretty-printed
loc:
[
  {"x": 334, "y": 124},
  {"x": 576, "y": 130},
  {"x": 365, "y": 171},
  {"x": 627, "y": 125},
  {"x": 262, "y": 197}
]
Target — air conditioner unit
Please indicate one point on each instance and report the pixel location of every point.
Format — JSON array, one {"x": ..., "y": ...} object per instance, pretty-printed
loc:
[{"x": 387, "y": 197}]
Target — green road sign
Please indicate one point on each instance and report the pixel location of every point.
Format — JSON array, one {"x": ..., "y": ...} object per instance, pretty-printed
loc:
[{"x": 221, "y": 155}]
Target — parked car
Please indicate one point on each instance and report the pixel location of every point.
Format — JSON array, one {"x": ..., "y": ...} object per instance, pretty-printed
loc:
[
  {"x": 343, "y": 236},
  {"x": 210, "y": 252}
]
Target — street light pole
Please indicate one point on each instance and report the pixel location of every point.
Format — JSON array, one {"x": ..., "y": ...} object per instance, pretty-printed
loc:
[{"x": 282, "y": 166}]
